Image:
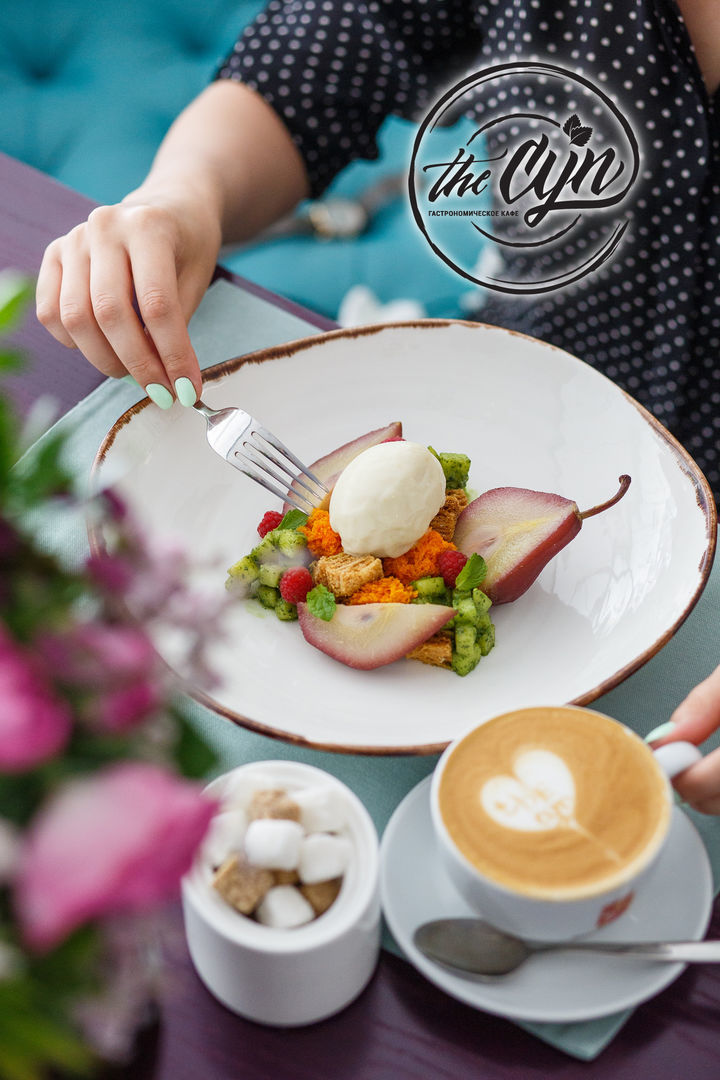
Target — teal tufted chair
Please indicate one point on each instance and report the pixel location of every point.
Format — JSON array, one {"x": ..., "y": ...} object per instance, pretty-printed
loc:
[{"x": 89, "y": 87}]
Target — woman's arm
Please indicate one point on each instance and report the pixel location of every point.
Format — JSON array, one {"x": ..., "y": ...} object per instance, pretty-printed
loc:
[{"x": 227, "y": 168}]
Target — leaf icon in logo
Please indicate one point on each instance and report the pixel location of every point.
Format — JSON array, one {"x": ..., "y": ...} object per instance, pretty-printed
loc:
[
  {"x": 577, "y": 133},
  {"x": 580, "y": 136}
]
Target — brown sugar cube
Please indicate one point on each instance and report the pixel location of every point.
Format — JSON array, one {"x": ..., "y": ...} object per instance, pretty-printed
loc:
[
  {"x": 273, "y": 803},
  {"x": 240, "y": 884},
  {"x": 437, "y": 651},
  {"x": 344, "y": 574},
  {"x": 286, "y": 877},
  {"x": 322, "y": 894}
]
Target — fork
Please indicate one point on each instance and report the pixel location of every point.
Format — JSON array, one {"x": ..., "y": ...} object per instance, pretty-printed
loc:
[{"x": 245, "y": 444}]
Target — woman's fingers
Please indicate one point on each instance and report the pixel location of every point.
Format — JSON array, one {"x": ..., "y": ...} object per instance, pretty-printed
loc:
[
  {"x": 75, "y": 306},
  {"x": 110, "y": 288},
  {"x": 111, "y": 294},
  {"x": 700, "y": 785},
  {"x": 155, "y": 277},
  {"x": 47, "y": 294},
  {"x": 694, "y": 720},
  {"x": 698, "y": 716}
]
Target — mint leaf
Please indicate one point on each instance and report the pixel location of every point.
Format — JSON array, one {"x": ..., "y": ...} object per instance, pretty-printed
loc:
[
  {"x": 472, "y": 573},
  {"x": 321, "y": 603},
  {"x": 293, "y": 520}
]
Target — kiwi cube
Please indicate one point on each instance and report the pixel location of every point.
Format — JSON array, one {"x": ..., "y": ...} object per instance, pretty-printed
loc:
[
  {"x": 270, "y": 575},
  {"x": 466, "y": 612},
  {"x": 486, "y": 639},
  {"x": 268, "y": 596},
  {"x": 456, "y": 468},
  {"x": 481, "y": 600},
  {"x": 463, "y": 663},
  {"x": 286, "y": 611},
  {"x": 430, "y": 587},
  {"x": 290, "y": 542},
  {"x": 242, "y": 575},
  {"x": 465, "y": 638}
]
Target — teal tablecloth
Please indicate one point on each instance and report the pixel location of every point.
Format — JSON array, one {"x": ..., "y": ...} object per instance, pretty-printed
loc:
[{"x": 231, "y": 321}]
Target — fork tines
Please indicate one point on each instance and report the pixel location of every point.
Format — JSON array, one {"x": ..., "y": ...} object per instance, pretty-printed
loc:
[{"x": 255, "y": 459}]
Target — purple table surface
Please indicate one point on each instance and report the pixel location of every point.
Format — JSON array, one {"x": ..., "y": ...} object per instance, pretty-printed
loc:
[{"x": 401, "y": 1027}]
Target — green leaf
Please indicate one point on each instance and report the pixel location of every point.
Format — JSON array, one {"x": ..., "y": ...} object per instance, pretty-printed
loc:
[
  {"x": 8, "y": 444},
  {"x": 321, "y": 603},
  {"x": 293, "y": 520},
  {"x": 16, "y": 293},
  {"x": 193, "y": 756},
  {"x": 472, "y": 573},
  {"x": 11, "y": 359},
  {"x": 41, "y": 473}
]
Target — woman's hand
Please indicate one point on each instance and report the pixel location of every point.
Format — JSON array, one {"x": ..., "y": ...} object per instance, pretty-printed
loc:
[
  {"x": 121, "y": 287},
  {"x": 695, "y": 718}
]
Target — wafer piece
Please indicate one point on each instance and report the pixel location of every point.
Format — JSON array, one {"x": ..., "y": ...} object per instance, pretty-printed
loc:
[
  {"x": 437, "y": 650},
  {"x": 343, "y": 574},
  {"x": 445, "y": 520}
]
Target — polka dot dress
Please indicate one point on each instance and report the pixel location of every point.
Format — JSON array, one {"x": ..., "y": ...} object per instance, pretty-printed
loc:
[{"x": 650, "y": 320}]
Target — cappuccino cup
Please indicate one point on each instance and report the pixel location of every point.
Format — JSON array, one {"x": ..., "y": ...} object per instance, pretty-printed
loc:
[{"x": 550, "y": 819}]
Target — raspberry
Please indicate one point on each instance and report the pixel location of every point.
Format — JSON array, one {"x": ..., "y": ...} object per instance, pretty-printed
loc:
[
  {"x": 450, "y": 563},
  {"x": 295, "y": 584},
  {"x": 270, "y": 521}
]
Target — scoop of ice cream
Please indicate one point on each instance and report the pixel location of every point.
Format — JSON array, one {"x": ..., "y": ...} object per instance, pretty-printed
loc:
[{"x": 385, "y": 499}]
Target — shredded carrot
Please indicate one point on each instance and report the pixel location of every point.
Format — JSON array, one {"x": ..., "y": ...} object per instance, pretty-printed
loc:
[
  {"x": 321, "y": 539},
  {"x": 386, "y": 590},
  {"x": 420, "y": 560}
]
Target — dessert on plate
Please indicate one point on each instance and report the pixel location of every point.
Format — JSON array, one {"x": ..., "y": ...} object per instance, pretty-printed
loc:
[{"x": 398, "y": 561}]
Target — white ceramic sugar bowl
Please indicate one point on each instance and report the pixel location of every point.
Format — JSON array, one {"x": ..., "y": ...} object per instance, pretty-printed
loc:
[{"x": 295, "y": 976}]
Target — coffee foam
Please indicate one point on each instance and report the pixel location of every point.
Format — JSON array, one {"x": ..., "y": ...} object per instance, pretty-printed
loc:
[{"x": 554, "y": 802}]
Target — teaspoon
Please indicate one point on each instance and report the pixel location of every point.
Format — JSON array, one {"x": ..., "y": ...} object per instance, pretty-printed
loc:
[{"x": 474, "y": 946}]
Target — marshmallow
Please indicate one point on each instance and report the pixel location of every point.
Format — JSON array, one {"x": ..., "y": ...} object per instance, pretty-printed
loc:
[
  {"x": 283, "y": 907},
  {"x": 322, "y": 808},
  {"x": 322, "y": 857},
  {"x": 225, "y": 836},
  {"x": 274, "y": 843}
]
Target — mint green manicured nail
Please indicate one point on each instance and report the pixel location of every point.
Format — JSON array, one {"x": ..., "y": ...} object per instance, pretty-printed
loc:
[
  {"x": 660, "y": 732},
  {"x": 185, "y": 392},
  {"x": 130, "y": 381},
  {"x": 157, "y": 393}
]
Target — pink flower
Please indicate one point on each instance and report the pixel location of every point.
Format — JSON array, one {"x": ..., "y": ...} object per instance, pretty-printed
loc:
[
  {"x": 118, "y": 841},
  {"x": 34, "y": 725},
  {"x": 123, "y": 708},
  {"x": 97, "y": 654}
]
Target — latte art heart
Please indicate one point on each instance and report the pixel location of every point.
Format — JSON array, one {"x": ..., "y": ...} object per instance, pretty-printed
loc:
[{"x": 540, "y": 795}]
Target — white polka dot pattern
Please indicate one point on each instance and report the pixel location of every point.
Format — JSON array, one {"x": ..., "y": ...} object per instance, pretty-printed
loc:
[{"x": 334, "y": 69}]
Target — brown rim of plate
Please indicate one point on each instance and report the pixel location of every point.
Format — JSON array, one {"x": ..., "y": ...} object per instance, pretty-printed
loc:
[{"x": 684, "y": 461}]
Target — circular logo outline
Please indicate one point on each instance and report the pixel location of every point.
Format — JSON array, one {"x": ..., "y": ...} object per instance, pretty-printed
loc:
[{"x": 458, "y": 90}]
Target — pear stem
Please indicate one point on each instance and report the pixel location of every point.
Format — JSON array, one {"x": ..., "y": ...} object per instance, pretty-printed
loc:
[{"x": 624, "y": 482}]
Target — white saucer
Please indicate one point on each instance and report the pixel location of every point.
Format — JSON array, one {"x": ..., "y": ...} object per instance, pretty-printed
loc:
[{"x": 549, "y": 987}]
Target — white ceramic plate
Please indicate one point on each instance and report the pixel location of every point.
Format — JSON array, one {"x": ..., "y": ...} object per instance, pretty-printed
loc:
[
  {"x": 550, "y": 987},
  {"x": 529, "y": 415}
]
